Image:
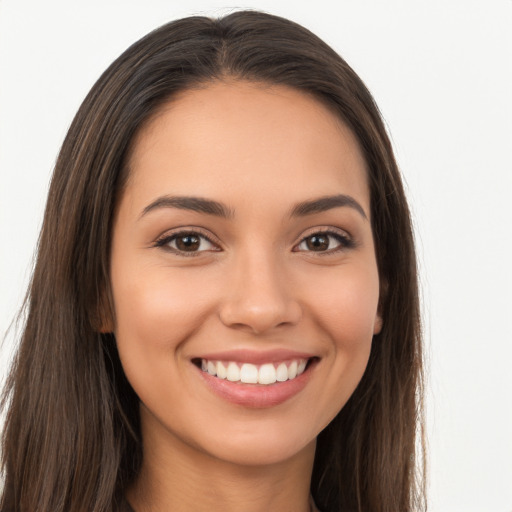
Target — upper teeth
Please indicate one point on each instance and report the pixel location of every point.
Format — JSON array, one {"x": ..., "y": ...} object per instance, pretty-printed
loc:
[{"x": 248, "y": 373}]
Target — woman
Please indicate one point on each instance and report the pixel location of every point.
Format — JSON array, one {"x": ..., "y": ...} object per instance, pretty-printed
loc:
[{"x": 224, "y": 309}]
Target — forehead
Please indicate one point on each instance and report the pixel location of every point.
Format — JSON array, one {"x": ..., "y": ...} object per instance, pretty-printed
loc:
[{"x": 242, "y": 138}]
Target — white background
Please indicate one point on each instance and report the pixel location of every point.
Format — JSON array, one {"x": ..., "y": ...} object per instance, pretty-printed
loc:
[{"x": 441, "y": 72}]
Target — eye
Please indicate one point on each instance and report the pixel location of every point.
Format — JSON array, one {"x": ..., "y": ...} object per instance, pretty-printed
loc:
[
  {"x": 325, "y": 242},
  {"x": 187, "y": 243}
]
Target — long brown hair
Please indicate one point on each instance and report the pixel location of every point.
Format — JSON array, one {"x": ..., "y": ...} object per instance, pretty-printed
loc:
[{"x": 72, "y": 436}]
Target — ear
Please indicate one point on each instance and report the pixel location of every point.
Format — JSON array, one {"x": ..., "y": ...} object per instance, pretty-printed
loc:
[
  {"x": 105, "y": 326},
  {"x": 103, "y": 321},
  {"x": 377, "y": 326}
]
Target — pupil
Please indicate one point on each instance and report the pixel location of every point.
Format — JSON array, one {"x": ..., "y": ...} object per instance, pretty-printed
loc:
[
  {"x": 318, "y": 243},
  {"x": 188, "y": 243}
]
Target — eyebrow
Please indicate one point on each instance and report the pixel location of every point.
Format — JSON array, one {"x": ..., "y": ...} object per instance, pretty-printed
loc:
[
  {"x": 196, "y": 204},
  {"x": 211, "y": 207},
  {"x": 325, "y": 203}
]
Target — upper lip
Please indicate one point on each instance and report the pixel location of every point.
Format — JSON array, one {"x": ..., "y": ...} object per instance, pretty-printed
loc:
[{"x": 255, "y": 356}]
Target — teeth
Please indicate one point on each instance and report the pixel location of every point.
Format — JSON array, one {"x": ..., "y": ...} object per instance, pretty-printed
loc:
[
  {"x": 233, "y": 373},
  {"x": 222, "y": 371},
  {"x": 252, "y": 374},
  {"x": 249, "y": 374},
  {"x": 211, "y": 368},
  {"x": 267, "y": 374},
  {"x": 282, "y": 373},
  {"x": 292, "y": 370}
]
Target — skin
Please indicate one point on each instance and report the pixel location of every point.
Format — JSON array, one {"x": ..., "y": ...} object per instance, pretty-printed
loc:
[{"x": 259, "y": 150}]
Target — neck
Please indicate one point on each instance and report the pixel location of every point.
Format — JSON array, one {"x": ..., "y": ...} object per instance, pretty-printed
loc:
[{"x": 176, "y": 476}]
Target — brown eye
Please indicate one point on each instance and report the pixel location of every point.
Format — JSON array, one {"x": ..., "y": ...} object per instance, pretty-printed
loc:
[
  {"x": 188, "y": 242},
  {"x": 325, "y": 242},
  {"x": 317, "y": 242}
]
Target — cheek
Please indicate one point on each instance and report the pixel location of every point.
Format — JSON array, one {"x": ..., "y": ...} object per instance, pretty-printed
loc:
[
  {"x": 345, "y": 310},
  {"x": 346, "y": 306},
  {"x": 156, "y": 312},
  {"x": 157, "y": 307}
]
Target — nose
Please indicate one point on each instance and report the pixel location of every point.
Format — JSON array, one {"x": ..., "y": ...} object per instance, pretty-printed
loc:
[{"x": 258, "y": 297}]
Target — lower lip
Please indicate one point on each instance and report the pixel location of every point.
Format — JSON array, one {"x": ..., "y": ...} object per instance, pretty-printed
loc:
[{"x": 257, "y": 395}]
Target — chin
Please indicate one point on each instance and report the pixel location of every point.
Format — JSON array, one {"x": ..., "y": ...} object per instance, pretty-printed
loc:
[{"x": 266, "y": 453}]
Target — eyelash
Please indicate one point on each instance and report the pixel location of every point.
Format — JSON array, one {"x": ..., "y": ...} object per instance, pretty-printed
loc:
[
  {"x": 345, "y": 242},
  {"x": 165, "y": 240}
]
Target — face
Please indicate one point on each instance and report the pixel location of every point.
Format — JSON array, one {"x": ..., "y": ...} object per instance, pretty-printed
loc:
[{"x": 243, "y": 272}]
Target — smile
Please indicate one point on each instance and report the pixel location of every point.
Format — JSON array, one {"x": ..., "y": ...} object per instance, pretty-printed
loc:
[
  {"x": 265, "y": 374},
  {"x": 255, "y": 379}
]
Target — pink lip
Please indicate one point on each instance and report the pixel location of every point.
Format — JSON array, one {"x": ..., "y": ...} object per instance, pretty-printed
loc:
[
  {"x": 255, "y": 357},
  {"x": 256, "y": 395}
]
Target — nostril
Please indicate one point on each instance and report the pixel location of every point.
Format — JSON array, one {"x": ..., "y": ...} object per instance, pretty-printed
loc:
[
  {"x": 256, "y": 309},
  {"x": 258, "y": 320}
]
